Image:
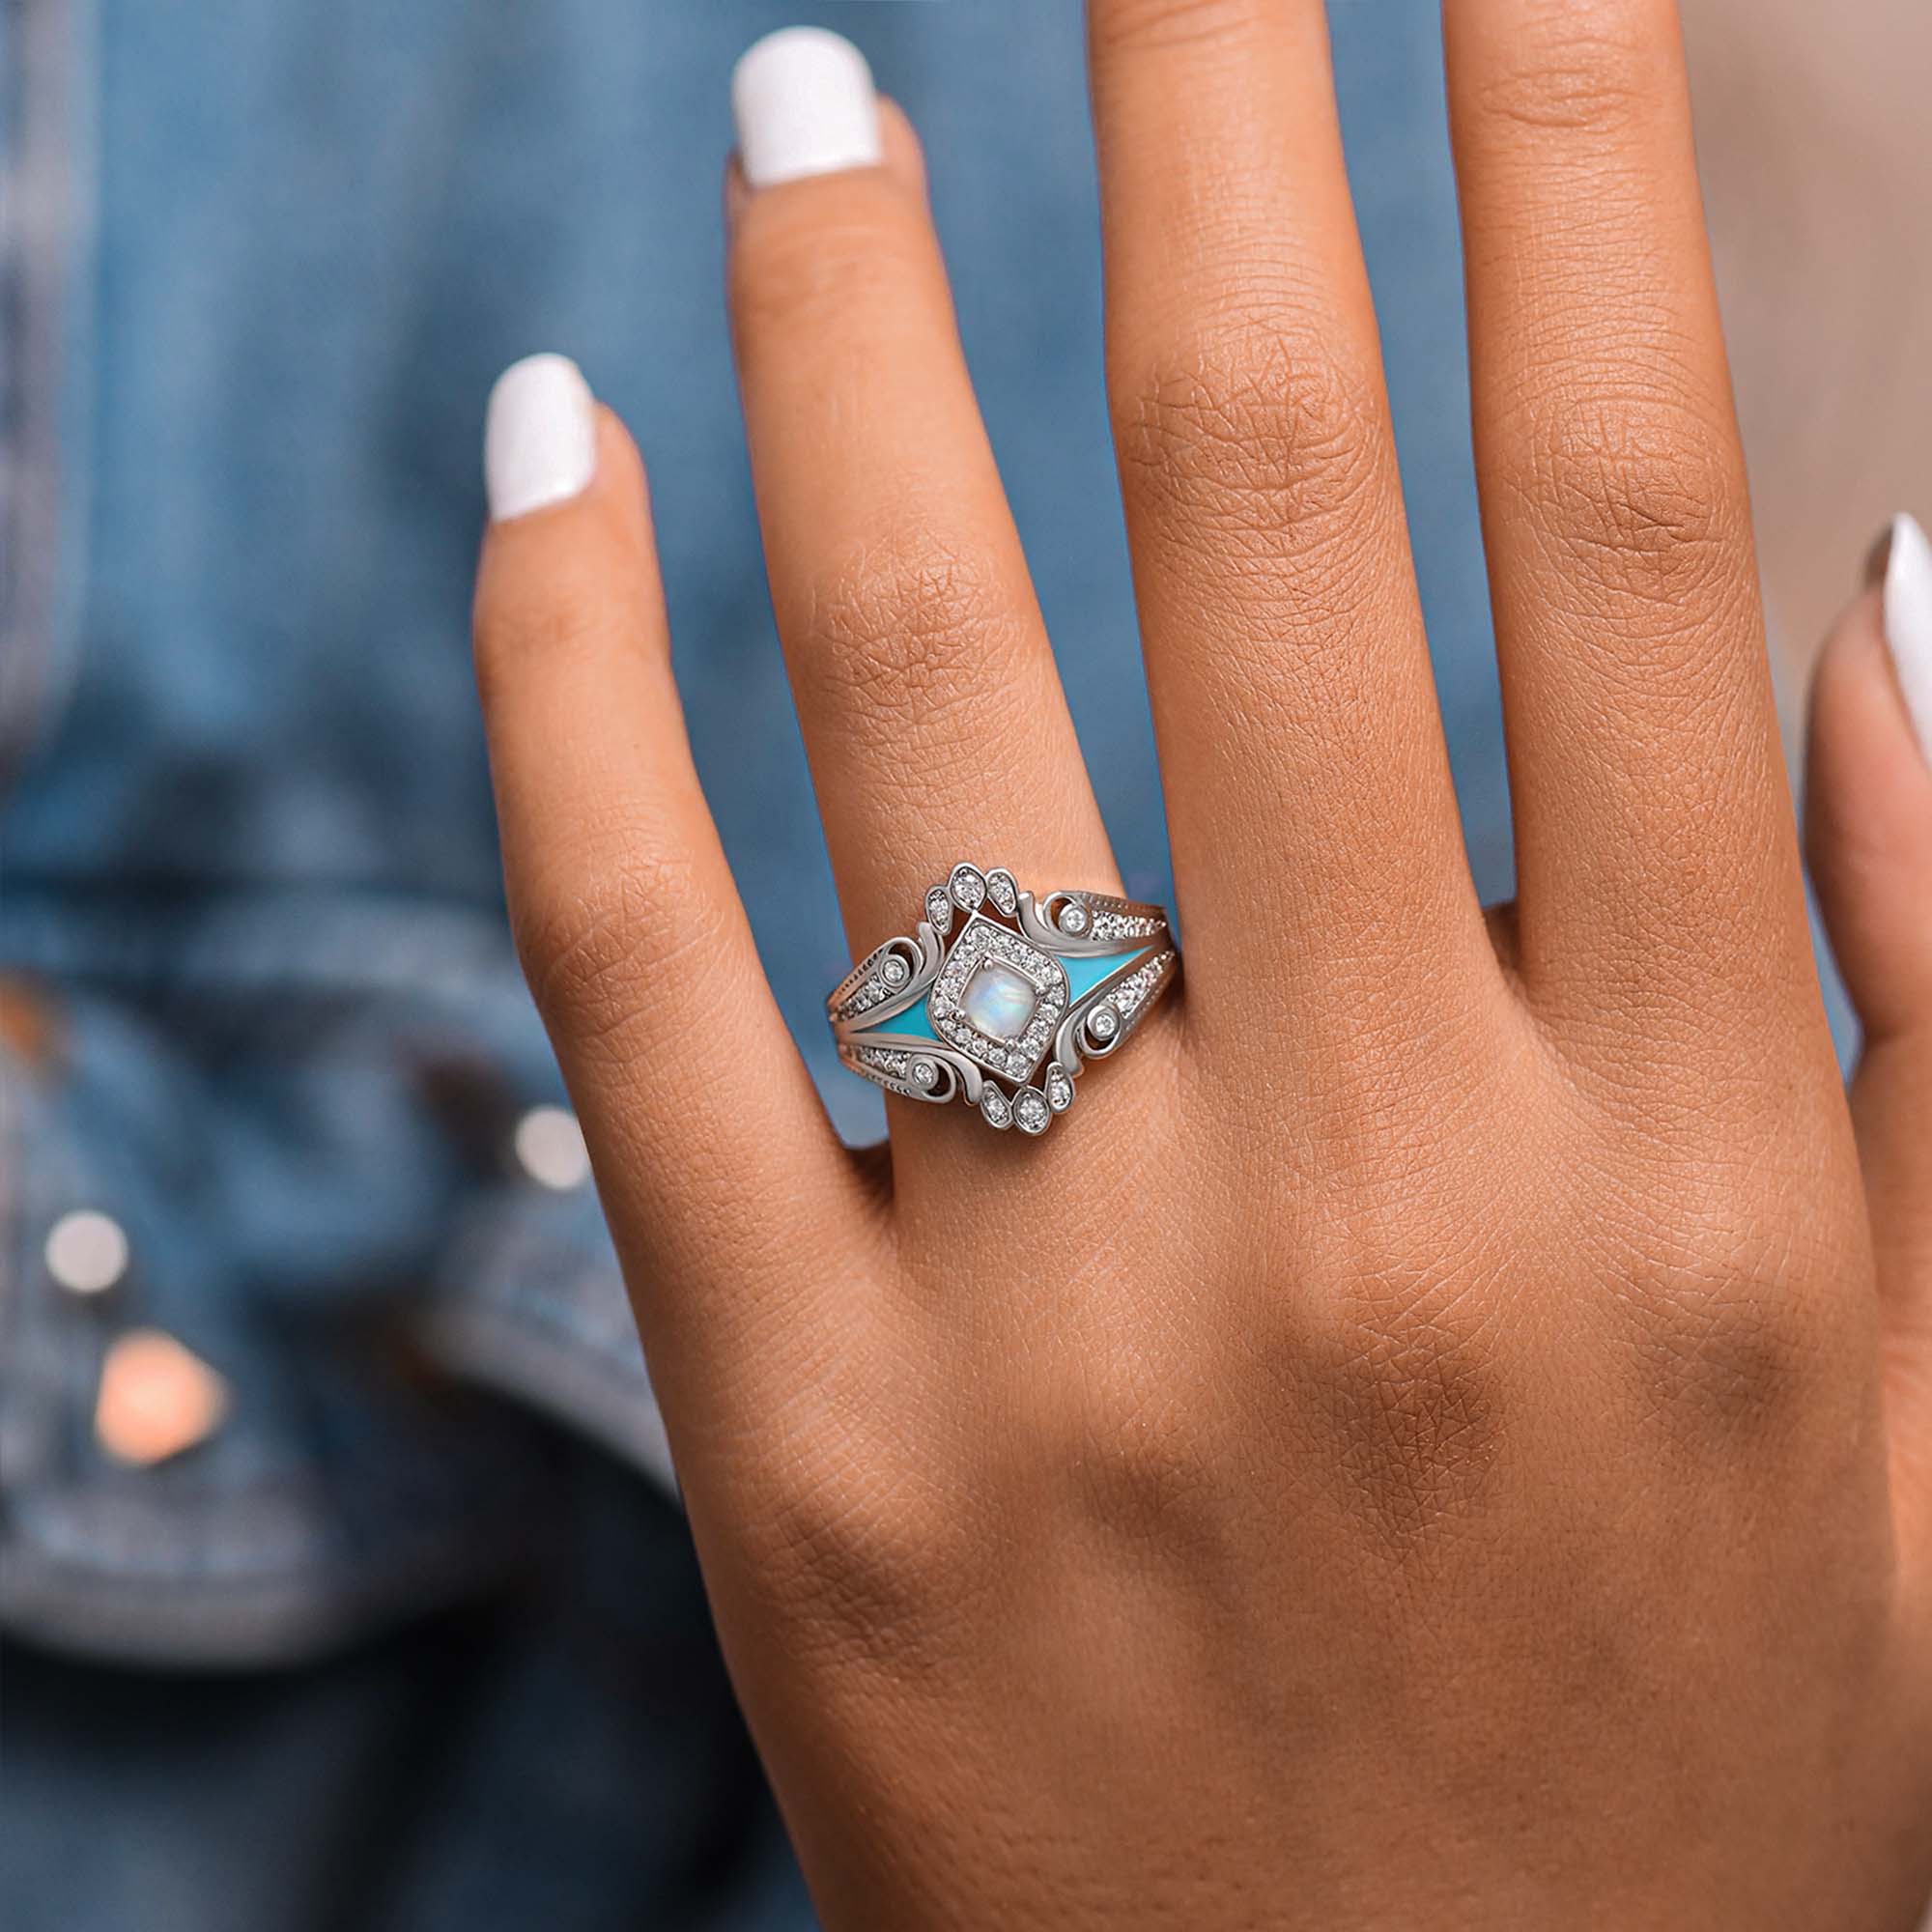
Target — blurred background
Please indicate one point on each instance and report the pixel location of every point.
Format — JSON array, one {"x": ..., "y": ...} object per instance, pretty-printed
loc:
[{"x": 342, "y": 1584}]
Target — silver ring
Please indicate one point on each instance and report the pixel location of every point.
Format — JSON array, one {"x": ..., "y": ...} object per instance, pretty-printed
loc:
[{"x": 999, "y": 1000}]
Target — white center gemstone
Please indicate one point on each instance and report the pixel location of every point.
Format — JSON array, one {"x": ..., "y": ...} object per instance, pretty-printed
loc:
[{"x": 998, "y": 1000}]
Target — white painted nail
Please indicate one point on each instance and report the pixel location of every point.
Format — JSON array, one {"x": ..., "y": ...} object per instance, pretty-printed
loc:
[
  {"x": 1908, "y": 621},
  {"x": 540, "y": 439},
  {"x": 805, "y": 105}
]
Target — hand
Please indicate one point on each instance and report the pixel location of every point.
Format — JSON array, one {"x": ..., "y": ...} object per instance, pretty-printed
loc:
[{"x": 1443, "y": 1435}]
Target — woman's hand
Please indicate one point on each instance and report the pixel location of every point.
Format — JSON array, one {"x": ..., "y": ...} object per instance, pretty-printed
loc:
[{"x": 1443, "y": 1435}]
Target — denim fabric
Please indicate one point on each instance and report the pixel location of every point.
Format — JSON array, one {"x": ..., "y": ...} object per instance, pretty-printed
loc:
[{"x": 280, "y": 249}]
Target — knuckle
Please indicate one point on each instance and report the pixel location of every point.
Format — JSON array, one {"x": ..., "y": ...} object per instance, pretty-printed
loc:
[
  {"x": 1250, "y": 428},
  {"x": 556, "y": 618},
  {"x": 1638, "y": 493},
  {"x": 862, "y": 1552},
  {"x": 1400, "y": 1356},
  {"x": 1734, "y": 1334},
  {"x": 1132, "y": 1433},
  {"x": 1412, "y": 1409},
  {"x": 599, "y": 939},
  {"x": 1572, "y": 69},
  {"x": 1719, "y": 1360},
  {"x": 909, "y": 628},
  {"x": 801, "y": 269},
  {"x": 1163, "y": 26}
]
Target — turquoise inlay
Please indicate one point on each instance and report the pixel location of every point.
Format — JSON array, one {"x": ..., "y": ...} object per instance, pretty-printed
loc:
[
  {"x": 1084, "y": 974},
  {"x": 1082, "y": 977},
  {"x": 915, "y": 1021}
]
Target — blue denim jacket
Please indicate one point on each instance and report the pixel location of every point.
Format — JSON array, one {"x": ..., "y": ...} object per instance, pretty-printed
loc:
[{"x": 265, "y": 259}]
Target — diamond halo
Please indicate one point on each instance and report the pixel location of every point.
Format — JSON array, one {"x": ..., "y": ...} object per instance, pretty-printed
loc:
[{"x": 999, "y": 998}]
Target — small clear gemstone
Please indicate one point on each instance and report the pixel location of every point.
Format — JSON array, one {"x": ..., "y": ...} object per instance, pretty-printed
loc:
[
  {"x": 1003, "y": 890},
  {"x": 894, "y": 972},
  {"x": 1030, "y": 1111},
  {"x": 1058, "y": 1088},
  {"x": 939, "y": 909},
  {"x": 1073, "y": 918},
  {"x": 994, "y": 1105},
  {"x": 999, "y": 1000},
  {"x": 1103, "y": 1023},
  {"x": 923, "y": 1074},
  {"x": 967, "y": 886}
]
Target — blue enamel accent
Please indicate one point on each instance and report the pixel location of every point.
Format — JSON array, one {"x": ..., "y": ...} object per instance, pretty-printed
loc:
[
  {"x": 1082, "y": 977},
  {"x": 915, "y": 1021},
  {"x": 1084, "y": 974}
]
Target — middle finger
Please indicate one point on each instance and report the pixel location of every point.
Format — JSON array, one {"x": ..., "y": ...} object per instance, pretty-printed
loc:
[
  {"x": 1316, "y": 841},
  {"x": 932, "y": 706}
]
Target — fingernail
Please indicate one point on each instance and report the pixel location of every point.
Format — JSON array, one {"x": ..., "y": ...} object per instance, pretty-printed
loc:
[
  {"x": 1901, "y": 563},
  {"x": 540, "y": 437},
  {"x": 805, "y": 105}
]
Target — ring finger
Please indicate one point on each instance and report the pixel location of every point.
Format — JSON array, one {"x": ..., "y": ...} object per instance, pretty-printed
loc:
[{"x": 931, "y": 704}]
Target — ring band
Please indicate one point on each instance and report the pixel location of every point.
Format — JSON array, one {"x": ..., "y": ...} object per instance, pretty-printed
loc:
[{"x": 999, "y": 999}]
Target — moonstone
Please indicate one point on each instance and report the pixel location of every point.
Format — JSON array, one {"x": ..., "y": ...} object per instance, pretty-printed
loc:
[{"x": 999, "y": 1001}]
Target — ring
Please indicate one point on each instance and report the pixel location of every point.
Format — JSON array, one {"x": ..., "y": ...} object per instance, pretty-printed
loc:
[{"x": 1023, "y": 991}]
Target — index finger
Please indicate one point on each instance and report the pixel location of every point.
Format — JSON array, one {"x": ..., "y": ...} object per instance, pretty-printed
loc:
[{"x": 716, "y": 1163}]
